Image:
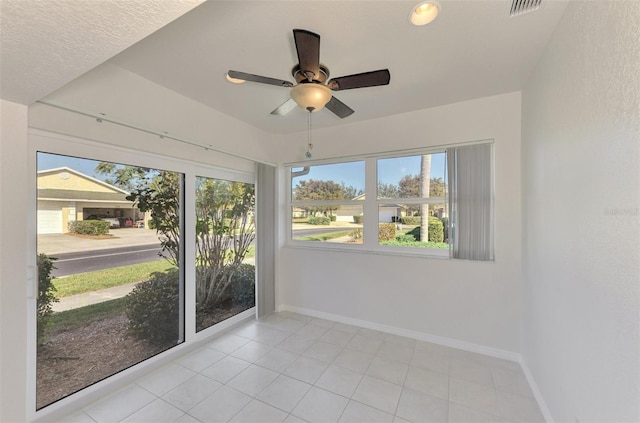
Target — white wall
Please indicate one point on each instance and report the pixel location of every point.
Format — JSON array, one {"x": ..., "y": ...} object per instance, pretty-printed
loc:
[
  {"x": 472, "y": 302},
  {"x": 581, "y": 191},
  {"x": 130, "y": 99},
  {"x": 13, "y": 261}
]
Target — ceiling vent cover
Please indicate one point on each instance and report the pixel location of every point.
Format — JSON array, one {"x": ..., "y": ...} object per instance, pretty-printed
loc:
[{"x": 519, "y": 7}]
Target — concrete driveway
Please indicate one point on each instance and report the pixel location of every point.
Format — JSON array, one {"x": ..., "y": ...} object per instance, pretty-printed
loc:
[{"x": 124, "y": 237}]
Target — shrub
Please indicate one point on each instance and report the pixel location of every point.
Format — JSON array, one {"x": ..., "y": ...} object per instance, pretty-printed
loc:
[
  {"x": 410, "y": 220},
  {"x": 445, "y": 224},
  {"x": 405, "y": 238},
  {"x": 153, "y": 306},
  {"x": 89, "y": 227},
  {"x": 355, "y": 234},
  {"x": 418, "y": 244},
  {"x": 152, "y": 224},
  {"x": 386, "y": 232},
  {"x": 46, "y": 296},
  {"x": 357, "y": 219},
  {"x": 243, "y": 285},
  {"x": 436, "y": 230},
  {"x": 319, "y": 220},
  {"x": 333, "y": 217}
]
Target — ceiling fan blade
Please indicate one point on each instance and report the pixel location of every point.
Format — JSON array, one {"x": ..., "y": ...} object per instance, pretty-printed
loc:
[
  {"x": 360, "y": 80},
  {"x": 260, "y": 79},
  {"x": 285, "y": 108},
  {"x": 339, "y": 108},
  {"x": 308, "y": 49}
]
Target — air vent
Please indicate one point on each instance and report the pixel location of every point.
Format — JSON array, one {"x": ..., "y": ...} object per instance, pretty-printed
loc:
[{"x": 519, "y": 7}]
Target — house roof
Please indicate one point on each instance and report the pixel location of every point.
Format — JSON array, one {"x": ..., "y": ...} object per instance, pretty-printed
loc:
[
  {"x": 81, "y": 175},
  {"x": 73, "y": 195}
]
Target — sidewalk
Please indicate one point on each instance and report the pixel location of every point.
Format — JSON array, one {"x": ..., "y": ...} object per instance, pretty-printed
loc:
[
  {"x": 124, "y": 237},
  {"x": 101, "y": 295}
]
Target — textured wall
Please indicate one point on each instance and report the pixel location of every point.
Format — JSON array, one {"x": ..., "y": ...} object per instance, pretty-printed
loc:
[{"x": 581, "y": 191}]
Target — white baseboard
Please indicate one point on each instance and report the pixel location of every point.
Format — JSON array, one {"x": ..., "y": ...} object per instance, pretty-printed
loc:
[
  {"x": 421, "y": 336},
  {"x": 536, "y": 392},
  {"x": 448, "y": 342}
]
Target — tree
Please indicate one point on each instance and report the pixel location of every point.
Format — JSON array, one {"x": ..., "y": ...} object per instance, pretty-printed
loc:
[
  {"x": 224, "y": 232},
  {"x": 388, "y": 190},
  {"x": 317, "y": 190},
  {"x": 425, "y": 191},
  {"x": 158, "y": 192},
  {"x": 409, "y": 186},
  {"x": 350, "y": 192}
]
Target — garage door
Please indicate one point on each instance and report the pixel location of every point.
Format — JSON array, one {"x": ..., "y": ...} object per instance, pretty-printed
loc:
[{"x": 49, "y": 218}]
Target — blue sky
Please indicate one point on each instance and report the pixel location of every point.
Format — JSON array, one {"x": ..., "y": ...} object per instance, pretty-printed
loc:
[
  {"x": 52, "y": 161},
  {"x": 390, "y": 171}
]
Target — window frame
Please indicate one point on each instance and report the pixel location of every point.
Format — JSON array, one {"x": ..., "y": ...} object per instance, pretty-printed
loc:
[
  {"x": 370, "y": 207},
  {"x": 48, "y": 142}
]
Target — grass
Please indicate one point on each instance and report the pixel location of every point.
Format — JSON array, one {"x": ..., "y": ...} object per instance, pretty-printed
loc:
[
  {"x": 324, "y": 237},
  {"x": 107, "y": 278},
  {"x": 66, "y": 320}
]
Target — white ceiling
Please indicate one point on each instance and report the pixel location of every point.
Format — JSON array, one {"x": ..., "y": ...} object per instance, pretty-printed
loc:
[{"x": 474, "y": 49}]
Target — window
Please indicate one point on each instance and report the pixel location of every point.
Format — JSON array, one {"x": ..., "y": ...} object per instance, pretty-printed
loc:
[
  {"x": 431, "y": 202},
  {"x": 111, "y": 234},
  {"x": 110, "y": 288},
  {"x": 327, "y": 203},
  {"x": 412, "y": 201},
  {"x": 225, "y": 250}
]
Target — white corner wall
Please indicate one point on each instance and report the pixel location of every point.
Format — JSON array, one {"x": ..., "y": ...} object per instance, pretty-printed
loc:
[
  {"x": 581, "y": 192},
  {"x": 469, "y": 302},
  {"x": 14, "y": 200}
]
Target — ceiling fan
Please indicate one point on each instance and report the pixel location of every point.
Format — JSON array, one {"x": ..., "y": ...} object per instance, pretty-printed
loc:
[{"x": 311, "y": 90}]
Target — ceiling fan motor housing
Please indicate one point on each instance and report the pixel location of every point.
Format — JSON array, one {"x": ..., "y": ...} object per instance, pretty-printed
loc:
[{"x": 301, "y": 78}]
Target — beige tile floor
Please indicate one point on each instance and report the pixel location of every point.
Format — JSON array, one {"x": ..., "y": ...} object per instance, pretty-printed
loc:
[{"x": 295, "y": 368}]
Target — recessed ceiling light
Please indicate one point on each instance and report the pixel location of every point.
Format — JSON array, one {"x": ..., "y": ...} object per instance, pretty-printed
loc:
[
  {"x": 234, "y": 80},
  {"x": 424, "y": 13}
]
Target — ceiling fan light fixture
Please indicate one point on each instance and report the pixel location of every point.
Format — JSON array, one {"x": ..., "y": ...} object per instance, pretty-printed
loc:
[
  {"x": 311, "y": 96},
  {"x": 234, "y": 80},
  {"x": 424, "y": 13}
]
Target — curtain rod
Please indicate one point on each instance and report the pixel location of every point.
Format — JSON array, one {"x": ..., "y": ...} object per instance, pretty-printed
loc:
[{"x": 164, "y": 135}]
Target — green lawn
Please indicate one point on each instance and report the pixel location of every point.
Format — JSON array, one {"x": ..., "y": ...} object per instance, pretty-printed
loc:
[
  {"x": 107, "y": 278},
  {"x": 324, "y": 237},
  {"x": 76, "y": 317}
]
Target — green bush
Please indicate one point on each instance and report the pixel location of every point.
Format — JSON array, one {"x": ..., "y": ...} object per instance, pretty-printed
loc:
[
  {"x": 436, "y": 230},
  {"x": 333, "y": 217},
  {"x": 243, "y": 285},
  {"x": 355, "y": 234},
  {"x": 357, "y": 219},
  {"x": 386, "y": 232},
  {"x": 319, "y": 220},
  {"x": 152, "y": 224},
  {"x": 89, "y": 227},
  {"x": 46, "y": 296},
  {"x": 153, "y": 306},
  {"x": 445, "y": 224},
  {"x": 410, "y": 220},
  {"x": 405, "y": 238},
  {"x": 418, "y": 244}
]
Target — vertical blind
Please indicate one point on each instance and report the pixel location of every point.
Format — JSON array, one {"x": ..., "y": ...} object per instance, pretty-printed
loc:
[
  {"x": 265, "y": 239},
  {"x": 471, "y": 202}
]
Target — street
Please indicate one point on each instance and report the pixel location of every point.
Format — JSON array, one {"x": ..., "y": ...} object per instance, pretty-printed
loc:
[{"x": 89, "y": 261}]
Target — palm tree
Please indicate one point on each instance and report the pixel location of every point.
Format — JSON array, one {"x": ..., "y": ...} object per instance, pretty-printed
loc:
[{"x": 425, "y": 186}]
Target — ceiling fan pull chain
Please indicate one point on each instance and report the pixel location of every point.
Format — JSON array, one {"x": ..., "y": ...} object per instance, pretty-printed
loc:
[{"x": 309, "y": 145}]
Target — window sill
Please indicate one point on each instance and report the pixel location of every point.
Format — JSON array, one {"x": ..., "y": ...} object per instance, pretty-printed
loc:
[{"x": 431, "y": 253}]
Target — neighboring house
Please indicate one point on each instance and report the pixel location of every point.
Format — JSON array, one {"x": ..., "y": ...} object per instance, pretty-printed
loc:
[
  {"x": 66, "y": 195},
  {"x": 386, "y": 212}
]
